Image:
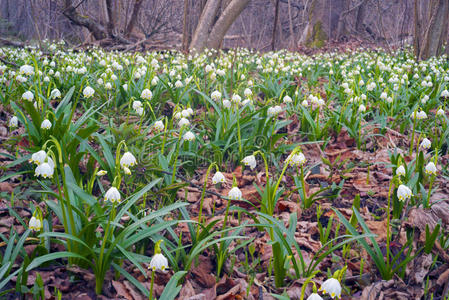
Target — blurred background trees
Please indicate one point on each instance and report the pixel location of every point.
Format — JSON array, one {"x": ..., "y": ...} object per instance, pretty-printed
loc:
[{"x": 258, "y": 24}]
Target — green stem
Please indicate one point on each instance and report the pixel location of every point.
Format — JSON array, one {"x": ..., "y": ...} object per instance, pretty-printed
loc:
[
  {"x": 152, "y": 285},
  {"x": 203, "y": 193},
  {"x": 388, "y": 226},
  {"x": 303, "y": 189},
  {"x": 176, "y": 156},
  {"x": 413, "y": 133},
  {"x": 432, "y": 179},
  {"x": 238, "y": 132},
  {"x": 101, "y": 263}
]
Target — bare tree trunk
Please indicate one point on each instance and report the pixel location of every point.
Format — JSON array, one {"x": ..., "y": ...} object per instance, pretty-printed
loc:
[
  {"x": 417, "y": 27},
  {"x": 204, "y": 25},
  {"x": 134, "y": 16},
  {"x": 436, "y": 31},
  {"x": 290, "y": 25},
  {"x": 361, "y": 12},
  {"x": 232, "y": 11},
  {"x": 185, "y": 30},
  {"x": 314, "y": 34},
  {"x": 275, "y": 25},
  {"x": 110, "y": 24},
  {"x": 97, "y": 30}
]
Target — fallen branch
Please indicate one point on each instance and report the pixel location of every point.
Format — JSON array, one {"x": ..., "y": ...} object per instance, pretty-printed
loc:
[
  {"x": 11, "y": 43},
  {"x": 3, "y": 60}
]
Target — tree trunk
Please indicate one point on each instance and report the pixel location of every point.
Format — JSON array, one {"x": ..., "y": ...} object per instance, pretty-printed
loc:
[
  {"x": 111, "y": 18},
  {"x": 290, "y": 26},
  {"x": 337, "y": 21},
  {"x": 314, "y": 34},
  {"x": 97, "y": 30},
  {"x": 326, "y": 20},
  {"x": 204, "y": 25},
  {"x": 417, "y": 27},
  {"x": 185, "y": 29},
  {"x": 361, "y": 12},
  {"x": 434, "y": 36},
  {"x": 231, "y": 12},
  {"x": 275, "y": 25},
  {"x": 134, "y": 16}
]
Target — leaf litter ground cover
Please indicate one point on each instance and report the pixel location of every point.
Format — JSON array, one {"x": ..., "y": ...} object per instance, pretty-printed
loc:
[{"x": 223, "y": 175}]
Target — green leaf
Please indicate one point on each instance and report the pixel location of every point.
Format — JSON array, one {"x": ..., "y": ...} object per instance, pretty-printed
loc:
[
  {"x": 53, "y": 256},
  {"x": 172, "y": 289}
]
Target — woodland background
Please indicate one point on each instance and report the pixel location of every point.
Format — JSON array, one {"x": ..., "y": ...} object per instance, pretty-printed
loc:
[{"x": 258, "y": 24}]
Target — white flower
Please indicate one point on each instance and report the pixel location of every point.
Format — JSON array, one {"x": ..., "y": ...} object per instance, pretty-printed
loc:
[
  {"x": 186, "y": 112},
  {"x": 158, "y": 125},
  {"x": 112, "y": 195},
  {"x": 218, "y": 178},
  {"x": 362, "y": 108},
  {"x": 404, "y": 192},
  {"x": 45, "y": 170},
  {"x": 55, "y": 93},
  {"x": 273, "y": 111},
  {"x": 88, "y": 92},
  {"x": 227, "y": 103},
  {"x": 155, "y": 80},
  {"x": 38, "y": 157},
  {"x": 440, "y": 112},
  {"x": 287, "y": 99},
  {"x": 178, "y": 115},
  {"x": 137, "y": 104},
  {"x": 127, "y": 170},
  {"x": 424, "y": 99},
  {"x": 46, "y": 124},
  {"x": 21, "y": 78},
  {"x": 235, "y": 193},
  {"x": 250, "y": 161},
  {"x": 27, "y": 70},
  {"x": 158, "y": 263},
  {"x": 216, "y": 95},
  {"x": 296, "y": 159},
  {"x": 35, "y": 224},
  {"x": 146, "y": 94},
  {"x": 247, "y": 92},
  {"x": 431, "y": 169},
  {"x": 314, "y": 296},
  {"x": 208, "y": 69},
  {"x": 178, "y": 84},
  {"x": 236, "y": 98},
  {"x": 400, "y": 171},
  {"x": 332, "y": 287},
  {"x": 421, "y": 115},
  {"x": 383, "y": 96},
  {"x": 128, "y": 160},
  {"x": 13, "y": 122},
  {"x": 183, "y": 122},
  {"x": 445, "y": 93},
  {"x": 371, "y": 86},
  {"x": 139, "y": 110},
  {"x": 28, "y": 96},
  {"x": 305, "y": 103},
  {"x": 246, "y": 101},
  {"x": 425, "y": 144},
  {"x": 189, "y": 136},
  {"x": 102, "y": 172},
  {"x": 125, "y": 87}
]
